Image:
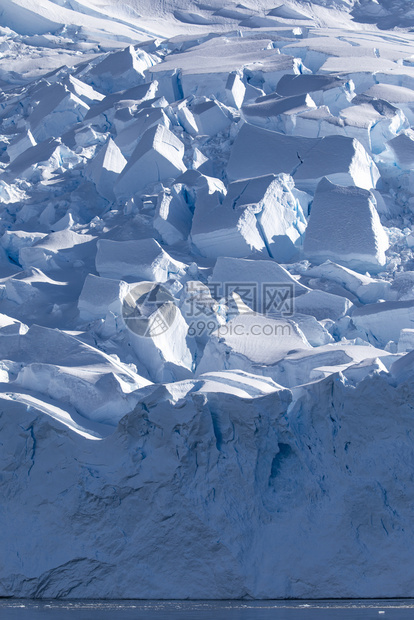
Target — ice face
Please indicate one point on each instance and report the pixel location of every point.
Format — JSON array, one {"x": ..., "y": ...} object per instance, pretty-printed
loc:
[
  {"x": 344, "y": 226},
  {"x": 206, "y": 299}
]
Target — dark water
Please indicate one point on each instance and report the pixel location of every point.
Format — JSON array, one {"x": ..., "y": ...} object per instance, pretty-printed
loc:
[{"x": 207, "y": 610}]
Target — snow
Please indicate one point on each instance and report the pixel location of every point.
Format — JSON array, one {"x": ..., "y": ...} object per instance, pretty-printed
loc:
[{"x": 206, "y": 299}]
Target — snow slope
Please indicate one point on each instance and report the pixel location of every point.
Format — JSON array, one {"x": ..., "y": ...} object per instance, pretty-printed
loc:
[{"x": 206, "y": 299}]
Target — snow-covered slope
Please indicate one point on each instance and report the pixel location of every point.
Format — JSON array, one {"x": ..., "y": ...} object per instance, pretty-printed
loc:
[{"x": 206, "y": 299}]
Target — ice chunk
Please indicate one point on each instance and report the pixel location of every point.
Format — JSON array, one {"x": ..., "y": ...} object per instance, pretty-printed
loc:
[
  {"x": 210, "y": 116},
  {"x": 287, "y": 12},
  {"x": 314, "y": 332},
  {"x": 56, "y": 250},
  {"x": 325, "y": 90},
  {"x": 406, "y": 340},
  {"x": 100, "y": 297},
  {"x": 399, "y": 96},
  {"x": 257, "y": 215},
  {"x": 235, "y": 90},
  {"x": 126, "y": 110},
  {"x": 367, "y": 290},
  {"x": 357, "y": 372},
  {"x": 120, "y": 70},
  {"x": 104, "y": 112},
  {"x": 105, "y": 168},
  {"x": 341, "y": 160},
  {"x": 57, "y": 107},
  {"x": 365, "y": 71},
  {"x": 373, "y": 123},
  {"x": 82, "y": 90},
  {"x": 20, "y": 144},
  {"x": 13, "y": 240},
  {"x": 344, "y": 226},
  {"x": 252, "y": 93},
  {"x": 157, "y": 331},
  {"x": 65, "y": 368},
  {"x": 270, "y": 111},
  {"x": 142, "y": 259},
  {"x": 235, "y": 382},
  {"x": 403, "y": 149},
  {"x": 220, "y": 56},
  {"x": 157, "y": 157},
  {"x": 403, "y": 368},
  {"x": 145, "y": 118},
  {"x": 173, "y": 216},
  {"x": 186, "y": 118},
  {"x": 258, "y": 151},
  {"x": 84, "y": 137},
  {"x": 202, "y": 193},
  {"x": 303, "y": 366},
  {"x": 402, "y": 288},
  {"x": 249, "y": 341},
  {"x": 29, "y": 287},
  {"x": 381, "y": 322},
  {"x": 42, "y": 160},
  {"x": 263, "y": 285},
  {"x": 314, "y": 123},
  {"x": 11, "y": 327},
  {"x": 202, "y": 312},
  {"x": 322, "y": 305}
]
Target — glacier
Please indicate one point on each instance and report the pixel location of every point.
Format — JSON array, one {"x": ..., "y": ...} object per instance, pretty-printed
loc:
[{"x": 206, "y": 299}]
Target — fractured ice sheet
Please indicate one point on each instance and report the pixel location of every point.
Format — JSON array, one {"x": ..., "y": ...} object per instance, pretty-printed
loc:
[
  {"x": 267, "y": 406},
  {"x": 342, "y": 160}
]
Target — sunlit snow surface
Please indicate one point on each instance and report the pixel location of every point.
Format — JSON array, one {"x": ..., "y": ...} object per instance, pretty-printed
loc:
[{"x": 206, "y": 304}]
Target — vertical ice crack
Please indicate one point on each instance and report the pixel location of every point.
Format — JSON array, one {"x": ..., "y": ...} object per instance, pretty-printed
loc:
[
  {"x": 297, "y": 165},
  {"x": 262, "y": 233},
  {"x": 33, "y": 447}
]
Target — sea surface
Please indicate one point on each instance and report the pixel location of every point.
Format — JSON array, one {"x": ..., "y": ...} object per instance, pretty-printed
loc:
[{"x": 13, "y": 609}]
